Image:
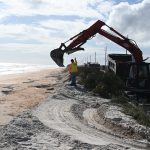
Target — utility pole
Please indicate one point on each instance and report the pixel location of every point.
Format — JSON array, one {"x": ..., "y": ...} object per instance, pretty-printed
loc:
[
  {"x": 95, "y": 57},
  {"x": 105, "y": 56},
  {"x": 126, "y": 49},
  {"x": 90, "y": 58}
]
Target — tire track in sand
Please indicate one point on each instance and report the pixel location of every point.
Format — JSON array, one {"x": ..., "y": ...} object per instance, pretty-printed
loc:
[{"x": 56, "y": 114}]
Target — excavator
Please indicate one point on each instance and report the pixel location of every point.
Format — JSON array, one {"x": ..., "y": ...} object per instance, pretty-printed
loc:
[{"x": 138, "y": 80}]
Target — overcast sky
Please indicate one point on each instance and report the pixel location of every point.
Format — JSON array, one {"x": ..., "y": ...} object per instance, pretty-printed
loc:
[{"x": 30, "y": 29}]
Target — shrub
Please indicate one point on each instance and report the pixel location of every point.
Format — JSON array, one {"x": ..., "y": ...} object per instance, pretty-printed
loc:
[
  {"x": 120, "y": 100},
  {"x": 137, "y": 113},
  {"x": 89, "y": 77},
  {"x": 105, "y": 84},
  {"x": 108, "y": 85},
  {"x": 102, "y": 90},
  {"x": 113, "y": 84}
]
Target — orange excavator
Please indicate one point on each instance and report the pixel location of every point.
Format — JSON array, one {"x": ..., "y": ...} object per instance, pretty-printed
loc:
[{"x": 137, "y": 67}]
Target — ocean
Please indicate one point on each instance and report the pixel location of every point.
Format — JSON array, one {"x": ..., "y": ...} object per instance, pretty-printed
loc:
[{"x": 15, "y": 68}]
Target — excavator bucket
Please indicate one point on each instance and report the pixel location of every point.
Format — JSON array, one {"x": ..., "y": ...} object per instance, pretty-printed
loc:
[{"x": 57, "y": 56}]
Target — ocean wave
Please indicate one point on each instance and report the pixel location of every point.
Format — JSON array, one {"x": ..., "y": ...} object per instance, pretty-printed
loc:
[{"x": 15, "y": 68}]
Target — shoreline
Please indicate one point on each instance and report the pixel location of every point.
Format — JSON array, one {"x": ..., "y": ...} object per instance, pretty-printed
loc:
[{"x": 22, "y": 91}]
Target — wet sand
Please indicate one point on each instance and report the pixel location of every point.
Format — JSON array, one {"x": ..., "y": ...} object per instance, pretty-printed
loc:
[{"x": 20, "y": 92}]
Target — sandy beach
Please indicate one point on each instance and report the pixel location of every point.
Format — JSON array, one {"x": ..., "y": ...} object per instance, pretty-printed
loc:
[
  {"x": 40, "y": 110},
  {"x": 19, "y": 92}
]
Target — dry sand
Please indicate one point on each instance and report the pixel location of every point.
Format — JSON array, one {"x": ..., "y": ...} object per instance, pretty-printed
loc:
[
  {"x": 66, "y": 118},
  {"x": 20, "y": 92}
]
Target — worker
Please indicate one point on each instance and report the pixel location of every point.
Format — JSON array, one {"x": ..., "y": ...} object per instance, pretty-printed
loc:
[{"x": 72, "y": 68}]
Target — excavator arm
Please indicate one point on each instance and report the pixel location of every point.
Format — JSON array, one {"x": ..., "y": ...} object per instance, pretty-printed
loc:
[{"x": 78, "y": 40}]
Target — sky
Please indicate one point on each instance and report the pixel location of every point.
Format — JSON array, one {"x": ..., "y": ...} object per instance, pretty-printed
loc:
[{"x": 30, "y": 29}]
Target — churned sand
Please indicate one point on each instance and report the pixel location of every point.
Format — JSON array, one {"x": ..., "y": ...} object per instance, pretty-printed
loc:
[{"x": 20, "y": 92}]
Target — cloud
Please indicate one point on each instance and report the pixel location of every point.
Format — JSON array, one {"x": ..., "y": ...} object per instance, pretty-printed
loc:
[
  {"x": 41, "y": 25},
  {"x": 53, "y": 29},
  {"x": 86, "y": 8},
  {"x": 132, "y": 21},
  {"x": 23, "y": 32}
]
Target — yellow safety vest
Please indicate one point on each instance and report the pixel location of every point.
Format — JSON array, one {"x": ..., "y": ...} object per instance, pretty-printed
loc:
[{"x": 73, "y": 67}]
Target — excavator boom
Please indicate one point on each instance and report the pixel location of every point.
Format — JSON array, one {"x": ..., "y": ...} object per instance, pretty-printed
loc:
[
  {"x": 135, "y": 84},
  {"x": 78, "y": 40}
]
